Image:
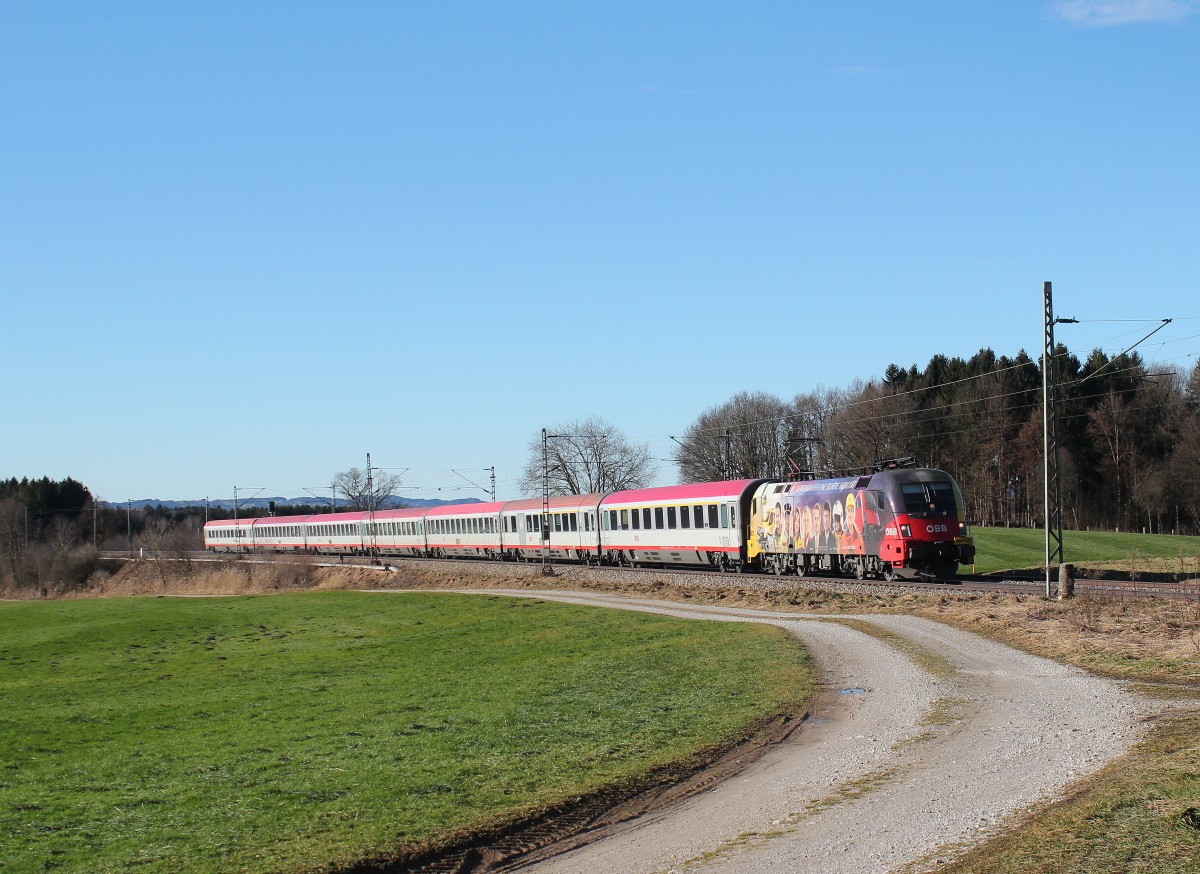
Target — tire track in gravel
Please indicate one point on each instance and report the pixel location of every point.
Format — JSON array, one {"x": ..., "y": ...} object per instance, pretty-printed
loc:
[{"x": 923, "y": 739}]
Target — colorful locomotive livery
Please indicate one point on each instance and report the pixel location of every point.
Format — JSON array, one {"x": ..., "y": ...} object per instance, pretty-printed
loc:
[
  {"x": 892, "y": 523},
  {"x": 906, "y": 522}
]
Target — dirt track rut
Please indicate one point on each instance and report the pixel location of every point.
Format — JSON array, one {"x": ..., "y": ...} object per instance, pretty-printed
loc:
[{"x": 921, "y": 742}]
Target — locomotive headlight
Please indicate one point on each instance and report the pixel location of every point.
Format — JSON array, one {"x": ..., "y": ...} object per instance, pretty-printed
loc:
[
  {"x": 905, "y": 531},
  {"x": 962, "y": 527}
]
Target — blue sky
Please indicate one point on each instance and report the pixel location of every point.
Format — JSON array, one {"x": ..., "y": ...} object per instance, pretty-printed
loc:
[{"x": 245, "y": 244}]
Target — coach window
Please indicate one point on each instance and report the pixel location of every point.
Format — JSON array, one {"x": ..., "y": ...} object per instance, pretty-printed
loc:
[
  {"x": 637, "y": 518},
  {"x": 712, "y": 515},
  {"x": 574, "y": 517},
  {"x": 685, "y": 518},
  {"x": 658, "y": 517},
  {"x": 646, "y": 518},
  {"x": 624, "y": 520},
  {"x": 698, "y": 517},
  {"x": 557, "y": 521},
  {"x": 587, "y": 521},
  {"x": 724, "y": 515},
  {"x": 670, "y": 517}
]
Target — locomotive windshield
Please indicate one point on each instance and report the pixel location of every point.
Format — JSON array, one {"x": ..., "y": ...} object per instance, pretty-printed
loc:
[{"x": 929, "y": 499}]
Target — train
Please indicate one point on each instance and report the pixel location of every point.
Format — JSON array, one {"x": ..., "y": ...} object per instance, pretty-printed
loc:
[{"x": 904, "y": 523}]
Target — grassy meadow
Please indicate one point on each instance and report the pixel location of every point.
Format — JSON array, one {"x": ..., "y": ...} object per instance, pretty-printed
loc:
[
  {"x": 306, "y": 731},
  {"x": 1014, "y": 548}
]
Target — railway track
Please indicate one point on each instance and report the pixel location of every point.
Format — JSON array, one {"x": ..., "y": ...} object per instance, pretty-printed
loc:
[{"x": 980, "y": 583}]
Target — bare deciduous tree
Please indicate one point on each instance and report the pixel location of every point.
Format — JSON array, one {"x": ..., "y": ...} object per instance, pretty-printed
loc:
[
  {"x": 586, "y": 456},
  {"x": 361, "y": 495},
  {"x": 750, "y": 435},
  {"x": 12, "y": 533}
]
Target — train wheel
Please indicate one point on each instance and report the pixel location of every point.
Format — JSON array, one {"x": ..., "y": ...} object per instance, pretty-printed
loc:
[
  {"x": 889, "y": 573},
  {"x": 860, "y": 570}
]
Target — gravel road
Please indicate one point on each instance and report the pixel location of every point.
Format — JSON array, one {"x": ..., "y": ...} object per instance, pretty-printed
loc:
[{"x": 920, "y": 744}]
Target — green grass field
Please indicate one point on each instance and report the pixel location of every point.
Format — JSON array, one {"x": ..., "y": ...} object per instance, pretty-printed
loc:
[
  {"x": 296, "y": 732},
  {"x": 1011, "y": 548}
]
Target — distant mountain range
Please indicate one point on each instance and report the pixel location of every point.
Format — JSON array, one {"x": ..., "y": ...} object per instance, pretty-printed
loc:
[{"x": 265, "y": 503}]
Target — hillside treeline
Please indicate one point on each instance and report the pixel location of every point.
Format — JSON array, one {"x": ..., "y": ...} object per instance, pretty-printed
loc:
[{"x": 1128, "y": 433}]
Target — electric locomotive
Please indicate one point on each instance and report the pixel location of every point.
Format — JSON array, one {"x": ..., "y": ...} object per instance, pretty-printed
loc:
[{"x": 895, "y": 523}]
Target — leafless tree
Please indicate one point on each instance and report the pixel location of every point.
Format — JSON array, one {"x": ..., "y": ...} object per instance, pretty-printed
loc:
[
  {"x": 750, "y": 435},
  {"x": 360, "y": 495},
  {"x": 585, "y": 456},
  {"x": 155, "y": 543},
  {"x": 12, "y": 533},
  {"x": 1184, "y": 469}
]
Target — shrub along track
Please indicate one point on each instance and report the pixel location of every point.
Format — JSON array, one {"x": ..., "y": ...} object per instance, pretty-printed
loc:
[{"x": 923, "y": 740}]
